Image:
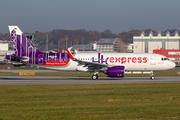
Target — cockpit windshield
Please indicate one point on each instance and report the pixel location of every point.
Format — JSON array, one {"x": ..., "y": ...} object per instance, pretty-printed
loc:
[{"x": 164, "y": 59}]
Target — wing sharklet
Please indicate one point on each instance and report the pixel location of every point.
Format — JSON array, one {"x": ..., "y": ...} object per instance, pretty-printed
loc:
[{"x": 70, "y": 55}]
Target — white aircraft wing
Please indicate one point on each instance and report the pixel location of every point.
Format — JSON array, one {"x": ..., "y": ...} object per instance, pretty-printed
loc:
[{"x": 90, "y": 65}]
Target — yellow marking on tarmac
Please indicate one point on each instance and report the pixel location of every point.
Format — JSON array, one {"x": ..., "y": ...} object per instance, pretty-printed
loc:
[{"x": 27, "y": 74}]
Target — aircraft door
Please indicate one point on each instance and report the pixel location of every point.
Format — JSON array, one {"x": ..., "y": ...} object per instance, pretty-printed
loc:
[{"x": 152, "y": 60}]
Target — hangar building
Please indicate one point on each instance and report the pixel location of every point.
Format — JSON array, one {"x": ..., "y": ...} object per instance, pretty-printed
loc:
[
  {"x": 147, "y": 43},
  {"x": 103, "y": 45}
]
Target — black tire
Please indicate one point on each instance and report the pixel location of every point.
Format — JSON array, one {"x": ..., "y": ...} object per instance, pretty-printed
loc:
[
  {"x": 94, "y": 77},
  {"x": 152, "y": 77}
]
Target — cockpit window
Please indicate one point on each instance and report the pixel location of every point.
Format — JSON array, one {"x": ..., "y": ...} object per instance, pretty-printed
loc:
[{"x": 164, "y": 59}]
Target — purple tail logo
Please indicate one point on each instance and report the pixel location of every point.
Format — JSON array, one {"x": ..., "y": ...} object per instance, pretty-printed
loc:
[{"x": 22, "y": 46}]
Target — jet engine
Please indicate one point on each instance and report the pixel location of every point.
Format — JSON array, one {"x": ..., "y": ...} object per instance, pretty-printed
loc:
[{"x": 116, "y": 71}]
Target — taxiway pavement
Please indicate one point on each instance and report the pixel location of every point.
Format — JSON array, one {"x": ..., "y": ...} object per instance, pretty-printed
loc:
[{"x": 42, "y": 80}]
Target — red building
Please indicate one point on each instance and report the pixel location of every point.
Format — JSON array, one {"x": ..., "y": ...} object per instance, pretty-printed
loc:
[{"x": 173, "y": 55}]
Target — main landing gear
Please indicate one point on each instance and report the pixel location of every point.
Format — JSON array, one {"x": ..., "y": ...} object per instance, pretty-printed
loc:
[
  {"x": 95, "y": 76},
  {"x": 152, "y": 76}
]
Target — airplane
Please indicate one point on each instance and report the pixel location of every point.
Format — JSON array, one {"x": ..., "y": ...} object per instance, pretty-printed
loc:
[{"x": 112, "y": 64}]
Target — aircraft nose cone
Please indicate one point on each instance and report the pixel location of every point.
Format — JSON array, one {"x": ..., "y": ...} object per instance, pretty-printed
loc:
[{"x": 173, "y": 65}]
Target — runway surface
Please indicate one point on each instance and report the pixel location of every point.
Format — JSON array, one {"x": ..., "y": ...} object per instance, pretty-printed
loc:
[{"x": 39, "y": 80}]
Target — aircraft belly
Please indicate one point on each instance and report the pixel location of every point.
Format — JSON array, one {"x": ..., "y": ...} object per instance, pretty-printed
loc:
[{"x": 141, "y": 67}]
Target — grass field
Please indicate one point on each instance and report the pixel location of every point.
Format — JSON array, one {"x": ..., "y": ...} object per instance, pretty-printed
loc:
[{"x": 114, "y": 101}]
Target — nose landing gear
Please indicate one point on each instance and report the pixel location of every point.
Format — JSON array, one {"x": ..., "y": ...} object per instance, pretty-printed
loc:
[{"x": 152, "y": 76}]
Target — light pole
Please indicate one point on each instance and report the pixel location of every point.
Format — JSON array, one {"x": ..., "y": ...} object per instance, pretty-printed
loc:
[
  {"x": 58, "y": 45},
  {"x": 47, "y": 43},
  {"x": 82, "y": 40},
  {"x": 66, "y": 40}
]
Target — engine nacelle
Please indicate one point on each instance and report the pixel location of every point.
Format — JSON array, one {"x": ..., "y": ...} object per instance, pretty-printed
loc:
[{"x": 116, "y": 71}]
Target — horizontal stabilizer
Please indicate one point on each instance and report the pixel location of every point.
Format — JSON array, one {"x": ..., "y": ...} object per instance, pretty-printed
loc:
[{"x": 19, "y": 58}]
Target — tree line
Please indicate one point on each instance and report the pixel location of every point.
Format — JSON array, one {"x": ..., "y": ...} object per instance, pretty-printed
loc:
[{"x": 57, "y": 38}]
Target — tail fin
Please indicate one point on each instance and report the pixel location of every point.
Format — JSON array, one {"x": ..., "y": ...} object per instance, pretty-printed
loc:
[{"x": 22, "y": 46}]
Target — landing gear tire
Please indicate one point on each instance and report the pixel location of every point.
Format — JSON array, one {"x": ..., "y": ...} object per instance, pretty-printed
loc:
[
  {"x": 152, "y": 77},
  {"x": 94, "y": 77}
]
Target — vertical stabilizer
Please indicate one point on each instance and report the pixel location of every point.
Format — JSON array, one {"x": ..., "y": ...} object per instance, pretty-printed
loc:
[{"x": 22, "y": 46}]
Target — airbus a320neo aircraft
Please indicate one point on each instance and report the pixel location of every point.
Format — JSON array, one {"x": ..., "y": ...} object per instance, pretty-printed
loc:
[{"x": 112, "y": 64}]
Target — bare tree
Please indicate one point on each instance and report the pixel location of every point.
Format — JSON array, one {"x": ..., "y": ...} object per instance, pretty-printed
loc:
[{"x": 120, "y": 46}]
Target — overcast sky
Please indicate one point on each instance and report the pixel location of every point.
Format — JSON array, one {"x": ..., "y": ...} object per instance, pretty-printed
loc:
[{"x": 100, "y": 15}]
